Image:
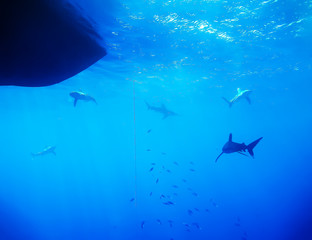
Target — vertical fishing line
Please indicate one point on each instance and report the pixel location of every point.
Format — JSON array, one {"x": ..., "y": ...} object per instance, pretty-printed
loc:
[{"x": 135, "y": 148}]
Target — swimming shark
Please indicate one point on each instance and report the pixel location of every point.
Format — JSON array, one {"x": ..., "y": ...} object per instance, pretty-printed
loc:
[
  {"x": 47, "y": 150},
  {"x": 240, "y": 94},
  {"x": 232, "y": 147},
  {"x": 81, "y": 96},
  {"x": 163, "y": 110}
]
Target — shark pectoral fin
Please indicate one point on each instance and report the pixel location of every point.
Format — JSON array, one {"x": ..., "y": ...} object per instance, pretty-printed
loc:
[
  {"x": 94, "y": 101},
  {"x": 75, "y": 102},
  {"x": 218, "y": 157},
  {"x": 243, "y": 154},
  {"x": 248, "y": 100}
]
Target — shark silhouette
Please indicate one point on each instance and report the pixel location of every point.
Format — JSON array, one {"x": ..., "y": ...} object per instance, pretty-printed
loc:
[
  {"x": 81, "y": 96},
  {"x": 240, "y": 95},
  {"x": 47, "y": 150},
  {"x": 163, "y": 110},
  {"x": 232, "y": 147}
]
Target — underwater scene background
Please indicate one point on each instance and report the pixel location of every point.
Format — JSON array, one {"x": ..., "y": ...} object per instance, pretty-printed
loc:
[{"x": 124, "y": 171}]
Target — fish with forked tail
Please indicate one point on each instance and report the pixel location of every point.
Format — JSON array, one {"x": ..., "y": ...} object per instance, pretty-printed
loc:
[
  {"x": 81, "y": 96},
  {"x": 232, "y": 147}
]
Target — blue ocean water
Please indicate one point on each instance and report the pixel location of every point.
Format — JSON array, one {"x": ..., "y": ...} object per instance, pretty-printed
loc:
[{"x": 123, "y": 172}]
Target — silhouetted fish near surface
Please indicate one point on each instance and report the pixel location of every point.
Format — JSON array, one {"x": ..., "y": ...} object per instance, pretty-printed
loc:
[
  {"x": 163, "y": 153},
  {"x": 82, "y": 97},
  {"x": 47, "y": 150},
  {"x": 157, "y": 180},
  {"x": 168, "y": 203},
  {"x": 163, "y": 110},
  {"x": 148, "y": 150},
  {"x": 44, "y": 42},
  {"x": 151, "y": 169},
  {"x": 240, "y": 95},
  {"x": 192, "y": 170},
  {"x": 175, "y": 186},
  {"x": 149, "y": 130},
  {"x": 189, "y": 212},
  {"x": 196, "y": 225},
  {"x": 151, "y": 193},
  {"x": 175, "y": 163},
  {"x": 131, "y": 200},
  {"x": 158, "y": 221},
  {"x": 232, "y": 147}
]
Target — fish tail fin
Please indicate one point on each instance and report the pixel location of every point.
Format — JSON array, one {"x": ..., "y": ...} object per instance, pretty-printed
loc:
[
  {"x": 228, "y": 102},
  {"x": 148, "y": 106},
  {"x": 251, "y": 146}
]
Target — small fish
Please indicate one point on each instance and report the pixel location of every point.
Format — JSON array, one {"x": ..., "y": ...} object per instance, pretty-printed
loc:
[
  {"x": 175, "y": 163},
  {"x": 153, "y": 164},
  {"x": 163, "y": 153},
  {"x": 196, "y": 209},
  {"x": 151, "y": 193},
  {"x": 158, "y": 221},
  {"x": 207, "y": 210},
  {"x": 184, "y": 180},
  {"x": 215, "y": 204},
  {"x": 186, "y": 224},
  {"x": 189, "y": 212},
  {"x": 192, "y": 163},
  {"x": 195, "y": 194},
  {"x": 192, "y": 169},
  {"x": 162, "y": 196},
  {"x": 175, "y": 186},
  {"x": 149, "y": 130},
  {"x": 148, "y": 150},
  {"x": 168, "y": 170},
  {"x": 131, "y": 200},
  {"x": 157, "y": 180},
  {"x": 151, "y": 169},
  {"x": 196, "y": 225},
  {"x": 142, "y": 224},
  {"x": 170, "y": 223},
  {"x": 168, "y": 203}
]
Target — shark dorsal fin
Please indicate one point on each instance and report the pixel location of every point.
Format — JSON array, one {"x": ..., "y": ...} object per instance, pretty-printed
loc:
[{"x": 230, "y": 137}]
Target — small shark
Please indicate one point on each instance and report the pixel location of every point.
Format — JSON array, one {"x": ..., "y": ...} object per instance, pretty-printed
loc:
[
  {"x": 47, "y": 150},
  {"x": 163, "y": 110},
  {"x": 240, "y": 94},
  {"x": 81, "y": 96},
  {"x": 232, "y": 147}
]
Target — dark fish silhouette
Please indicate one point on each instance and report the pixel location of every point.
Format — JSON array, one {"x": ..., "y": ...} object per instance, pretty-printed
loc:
[
  {"x": 142, "y": 224},
  {"x": 168, "y": 203},
  {"x": 149, "y": 130},
  {"x": 170, "y": 223},
  {"x": 158, "y": 221},
  {"x": 82, "y": 97},
  {"x": 151, "y": 193},
  {"x": 131, "y": 200},
  {"x": 232, "y": 147},
  {"x": 151, "y": 169},
  {"x": 44, "y": 42},
  {"x": 163, "y": 110},
  {"x": 189, "y": 212},
  {"x": 157, "y": 180}
]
